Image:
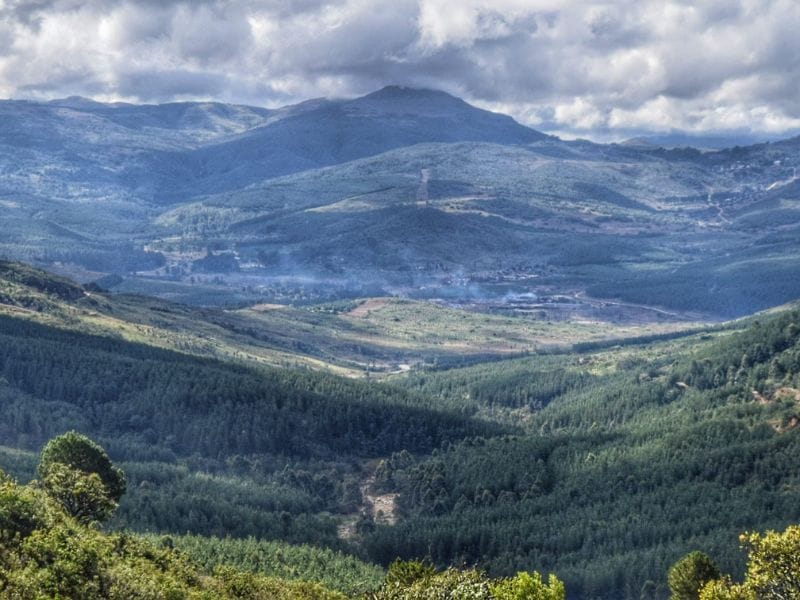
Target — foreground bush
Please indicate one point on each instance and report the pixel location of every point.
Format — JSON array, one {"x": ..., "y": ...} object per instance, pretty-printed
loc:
[
  {"x": 773, "y": 569},
  {"x": 414, "y": 580}
]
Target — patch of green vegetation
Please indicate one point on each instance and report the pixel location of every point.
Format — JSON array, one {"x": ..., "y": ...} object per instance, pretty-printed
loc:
[
  {"x": 48, "y": 552},
  {"x": 638, "y": 455},
  {"x": 378, "y": 335},
  {"x": 603, "y": 464},
  {"x": 334, "y": 570},
  {"x": 260, "y": 451}
]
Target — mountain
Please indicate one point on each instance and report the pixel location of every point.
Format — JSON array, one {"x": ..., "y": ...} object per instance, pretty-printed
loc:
[
  {"x": 677, "y": 229},
  {"x": 402, "y": 191},
  {"x": 342, "y": 131},
  {"x": 153, "y": 152},
  {"x": 680, "y": 139}
]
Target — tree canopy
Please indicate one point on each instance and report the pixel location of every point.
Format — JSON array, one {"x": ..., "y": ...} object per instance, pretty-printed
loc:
[
  {"x": 687, "y": 576},
  {"x": 79, "y": 474},
  {"x": 773, "y": 569}
]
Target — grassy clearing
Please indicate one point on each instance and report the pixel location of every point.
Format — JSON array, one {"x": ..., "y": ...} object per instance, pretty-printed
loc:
[{"x": 372, "y": 336}]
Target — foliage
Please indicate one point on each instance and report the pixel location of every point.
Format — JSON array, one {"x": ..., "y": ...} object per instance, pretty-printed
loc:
[
  {"x": 415, "y": 580},
  {"x": 77, "y": 472},
  {"x": 45, "y": 553},
  {"x": 455, "y": 584},
  {"x": 78, "y": 452},
  {"x": 245, "y": 586},
  {"x": 83, "y": 495},
  {"x": 406, "y": 572},
  {"x": 773, "y": 569},
  {"x": 20, "y": 513},
  {"x": 688, "y": 576},
  {"x": 334, "y": 570},
  {"x": 529, "y": 586}
]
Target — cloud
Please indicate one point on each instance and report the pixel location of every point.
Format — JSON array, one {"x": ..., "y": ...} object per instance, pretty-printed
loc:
[{"x": 584, "y": 67}]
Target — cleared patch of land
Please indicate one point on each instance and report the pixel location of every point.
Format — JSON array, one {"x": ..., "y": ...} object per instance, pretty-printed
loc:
[{"x": 374, "y": 336}]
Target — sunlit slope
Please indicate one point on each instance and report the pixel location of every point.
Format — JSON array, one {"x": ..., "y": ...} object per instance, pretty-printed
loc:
[
  {"x": 634, "y": 456},
  {"x": 352, "y": 338}
]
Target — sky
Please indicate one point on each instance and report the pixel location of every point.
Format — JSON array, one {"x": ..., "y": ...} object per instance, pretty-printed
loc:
[{"x": 577, "y": 68}]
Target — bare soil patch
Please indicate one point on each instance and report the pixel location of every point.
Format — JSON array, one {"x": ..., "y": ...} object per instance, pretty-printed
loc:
[{"x": 363, "y": 309}]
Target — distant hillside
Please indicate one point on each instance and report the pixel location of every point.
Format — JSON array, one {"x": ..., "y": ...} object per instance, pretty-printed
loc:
[
  {"x": 366, "y": 337},
  {"x": 403, "y": 191},
  {"x": 679, "y": 139},
  {"x": 674, "y": 229},
  {"x": 342, "y": 131}
]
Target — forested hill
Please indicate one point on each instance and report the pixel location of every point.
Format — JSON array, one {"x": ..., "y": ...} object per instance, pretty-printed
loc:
[
  {"x": 635, "y": 456},
  {"x": 604, "y": 465},
  {"x": 295, "y": 441}
]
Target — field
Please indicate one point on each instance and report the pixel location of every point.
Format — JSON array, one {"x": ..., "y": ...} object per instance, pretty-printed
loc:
[{"x": 356, "y": 337}]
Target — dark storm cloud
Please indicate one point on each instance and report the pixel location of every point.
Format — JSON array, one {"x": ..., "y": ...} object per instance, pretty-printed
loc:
[{"x": 579, "y": 66}]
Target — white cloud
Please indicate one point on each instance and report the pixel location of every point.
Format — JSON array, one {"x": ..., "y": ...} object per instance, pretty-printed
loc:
[{"x": 570, "y": 65}]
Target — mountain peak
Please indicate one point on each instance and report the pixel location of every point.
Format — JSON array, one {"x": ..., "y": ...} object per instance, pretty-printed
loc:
[
  {"x": 398, "y": 92},
  {"x": 78, "y": 102},
  {"x": 456, "y": 119}
]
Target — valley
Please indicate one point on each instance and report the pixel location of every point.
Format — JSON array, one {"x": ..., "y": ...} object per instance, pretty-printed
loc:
[
  {"x": 417, "y": 300},
  {"x": 324, "y": 337},
  {"x": 620, "y": 427},
  {"x": 357, "y": 338}
]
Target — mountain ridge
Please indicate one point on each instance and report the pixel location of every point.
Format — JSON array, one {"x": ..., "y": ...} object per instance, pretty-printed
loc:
[{"x": 409, "y": 191}]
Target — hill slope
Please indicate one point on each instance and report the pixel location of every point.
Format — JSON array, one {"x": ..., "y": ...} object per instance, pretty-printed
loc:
[
  {"x": 633, "y": 457},
  {"x": 387, "y": 193},
  {"x": 210, "y": 445},
  {"x": 604, "y": 465},
  {"x": 354, "y": 338},
  {"x": 683, "y": 231}
]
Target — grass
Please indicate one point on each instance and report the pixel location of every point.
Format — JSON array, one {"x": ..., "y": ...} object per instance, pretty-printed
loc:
[{"x": 377, "y": 336}]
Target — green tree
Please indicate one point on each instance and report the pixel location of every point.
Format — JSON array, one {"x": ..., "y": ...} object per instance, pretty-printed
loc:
[
  {"x": 773, "y": 569},
  {"x": 774, "y": 563},
  {"x": 724, "y": 589},
  {"x": 78, "y": 474},
  {"x": 406, "y": 572},
  {"x": 452, "y": 584},
  {"x": 82, "y": 495},
  {"x": 419, "y": 580},
  {"x": 529, "y": 586},
  {"x": 688, "y": 576},
  {"x": 19, "y": 513}
]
